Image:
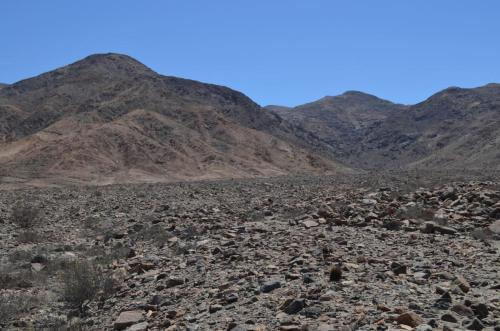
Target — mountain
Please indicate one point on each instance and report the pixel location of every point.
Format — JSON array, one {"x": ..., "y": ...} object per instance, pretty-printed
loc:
[
  {"x": 340, "y": 121},
  {"x": 108, "y": 118},
  {"x": 455, "y": 128}
]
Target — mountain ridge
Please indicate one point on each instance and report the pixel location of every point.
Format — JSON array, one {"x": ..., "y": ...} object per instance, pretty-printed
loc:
[
  {"x": 109, "y": 118},
  {"x": 420, "y": 135}
]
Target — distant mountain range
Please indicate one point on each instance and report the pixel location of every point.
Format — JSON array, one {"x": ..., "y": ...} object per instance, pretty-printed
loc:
[
  {"x": 110, "y": 119},
  {"x": 453, "y": 129}
]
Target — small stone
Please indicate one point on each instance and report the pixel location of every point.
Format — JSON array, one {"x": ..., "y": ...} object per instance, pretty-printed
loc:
[
  {"x": 128, "y": 318},
  {"x": 462, "y": 310},
  {"x": 310, "y": 224},
  {"x": 326, "y": 327},
  {"x": 428, "y": 227},
  {"x": 231, "y": 298},
  {"x": 173, "y": 281},
  {"x": 214, "y": 308},
  {"x": 449, "y": 318},
  {"x": 409, "y": 318},
  {"x": 444, "y": 301},
  {"x": 156, "y": 300},
  {"x": 462, "y": 283},
  {"x": 475, "y": 325},
  {"x": 37, "y": 267},
  {"x": 312, "y": 312},
  {"x": 327, "y": 296},
  {"x": 495, "y": 227},
  {"x": 480, "y": 310},
  {"x": 307, "y": 279},
  {"x": 293, "y": 306},
  {"x": 39, "y": 259},
  {"x": 138, "y": 327},
  {"x": 398, "y": 268},
  {"x": 445, "y": 230},
  {"x": 270, "y": 286},
  {"x": 290, "y": 328},
  {"x": 238, "y": 327}
]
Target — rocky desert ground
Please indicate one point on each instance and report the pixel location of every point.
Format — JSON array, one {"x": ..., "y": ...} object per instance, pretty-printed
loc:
[{"x": 374, "y": 251}]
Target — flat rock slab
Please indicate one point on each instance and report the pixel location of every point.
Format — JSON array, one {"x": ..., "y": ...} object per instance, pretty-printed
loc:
[
  {"x": 495, "y": 227},
  {"x": 143, "y": 326},
  {"x": 128, "y": 318},
  {"x": 310, "y": 224}
]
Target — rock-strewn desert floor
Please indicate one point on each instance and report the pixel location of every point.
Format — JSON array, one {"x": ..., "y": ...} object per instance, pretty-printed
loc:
[{"x": 392, "y": 251}]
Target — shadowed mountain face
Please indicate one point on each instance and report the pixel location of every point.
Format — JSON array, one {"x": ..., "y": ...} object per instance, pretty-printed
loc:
[
  {"x": 109, "y": 118},
  {"x": 455, "y": 128},
  {"x": 341, "y": 121}
]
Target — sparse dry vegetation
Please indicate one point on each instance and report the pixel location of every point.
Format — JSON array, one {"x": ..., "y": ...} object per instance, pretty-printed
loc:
[
  {"x": 13, "y": 304},
  {"x": 25, "y": 216},
  {"x": 83, "y": 281}
]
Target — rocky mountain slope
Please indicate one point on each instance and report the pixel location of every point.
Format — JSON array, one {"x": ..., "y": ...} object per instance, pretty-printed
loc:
[
  {"x": 455, "y": 128},
  {"x": 109, "y": 118},
  {"x": 341, "y": 121}
]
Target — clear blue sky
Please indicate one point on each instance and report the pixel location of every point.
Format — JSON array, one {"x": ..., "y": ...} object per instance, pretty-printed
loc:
[{"x": 275, "y": 51}]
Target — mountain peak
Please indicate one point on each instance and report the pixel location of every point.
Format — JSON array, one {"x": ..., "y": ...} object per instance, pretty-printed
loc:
[
  {"x": 112, "y": 62},
  {"x": 353, "y": 97},
  {"x": 358, "y": 96},
  {"x": 109, "y": 57},
  {"x": 355, "y": 93},
  {"x": 96, "y": 67}
]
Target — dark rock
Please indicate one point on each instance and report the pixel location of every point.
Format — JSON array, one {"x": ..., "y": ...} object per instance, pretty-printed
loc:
[
  {"x": 392, "y": 225},
  {"x": 312, "y": 312},
  {"x": 475, "y": 324},
  {"x": 398, "y": 268},
  {"x": 270, "y": 285},
  {"x": 214, "y": 308},
  {"x": 39, "y": 259},
  {"x": 449, "y": 318},
  {"x": 480, "y": 310},
  {"x": 444, "y": 302},
  {"x": 293, "y": 306},
  {"x": 173, "y": 281}
]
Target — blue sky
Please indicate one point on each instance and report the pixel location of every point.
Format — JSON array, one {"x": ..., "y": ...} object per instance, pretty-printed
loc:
[{"x": 276, "y": 51}]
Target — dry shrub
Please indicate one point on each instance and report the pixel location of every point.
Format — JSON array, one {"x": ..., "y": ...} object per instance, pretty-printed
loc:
[
  {"x": 83, "y": 281},
  {"x": 60, "y": 323},
  {"x": 28, "y": 237},
  {"x": 25, "y": 216},
  {"x": 13, "y": 304}
]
